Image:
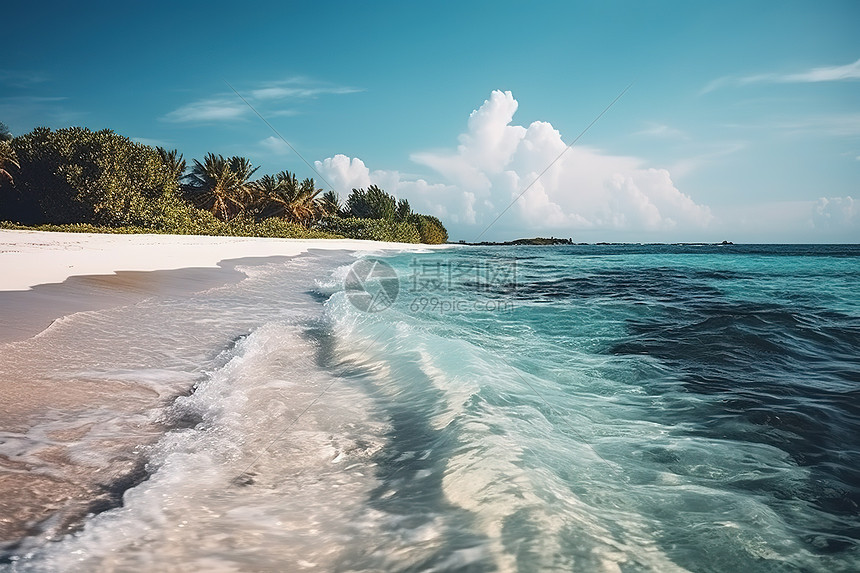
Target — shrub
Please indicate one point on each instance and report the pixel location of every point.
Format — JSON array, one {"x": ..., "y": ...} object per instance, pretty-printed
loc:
[
  {"x": 75, "y": 175},
  {"x": 372, "y": 203},
  {"x": 371, "y": 229},
  {"x": 79, "y": 180},
  {"x": 430, "y": 229}
]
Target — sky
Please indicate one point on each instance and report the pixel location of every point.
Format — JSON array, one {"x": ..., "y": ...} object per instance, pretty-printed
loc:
[{"x": 740, "y": 120}]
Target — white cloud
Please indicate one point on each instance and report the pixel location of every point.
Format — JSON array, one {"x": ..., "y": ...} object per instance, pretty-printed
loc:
[
  {"x": 228, "y": 106},
  {"x": 283, "y": 113},
  {"x": 814, "y": 75},
  {"x": 835, "y": 125},
  {"x": 826, "y": 220},
  {"x": 275, "y": 146},
  {"x": 496, "y": 161},
  {"x": 445, "y": 201},
  {"x": 39, "y": 110},
  {"x": 214, "y": 109},
  {"x": 659, "y": 130},
  {"x": 836, "y": 213},
  {"x": 847, "y": 124},
  {"x": 21, "y": 78},
  {"x": 282, "y": 92},
  {"x": 826, "y": 74},
  {"x": 688, "y": 165},
  {"x": 344, "y": 174}
]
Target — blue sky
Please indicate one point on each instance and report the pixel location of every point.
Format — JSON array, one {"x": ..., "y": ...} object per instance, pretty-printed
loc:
[{"x": 742, "y": 123}]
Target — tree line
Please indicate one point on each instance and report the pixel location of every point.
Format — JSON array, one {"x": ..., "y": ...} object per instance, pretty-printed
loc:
[{"x": 103, "y": 180}]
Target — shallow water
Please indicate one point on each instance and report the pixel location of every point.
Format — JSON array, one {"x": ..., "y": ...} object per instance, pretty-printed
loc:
[{"x": 598, "y": 408}]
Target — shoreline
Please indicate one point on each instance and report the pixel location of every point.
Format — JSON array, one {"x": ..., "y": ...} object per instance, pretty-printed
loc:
[
  {"x": 26, "y": 313},
  {"x": 47, "y": 275},
  {"x": 45, "y": 491},
  {"x": 47, "y": 257}
]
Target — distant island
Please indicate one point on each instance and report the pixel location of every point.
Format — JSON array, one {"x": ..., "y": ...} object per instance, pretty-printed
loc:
[
  {"x": 534, "y": 241},
  {"x": 543, "y": 241}
]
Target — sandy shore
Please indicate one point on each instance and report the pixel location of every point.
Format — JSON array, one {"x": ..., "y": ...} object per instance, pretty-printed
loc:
[
  {"x": 30, "y": 258},
  {"x": 45, "y": 276},
  {"x": 44, "y": 488}
]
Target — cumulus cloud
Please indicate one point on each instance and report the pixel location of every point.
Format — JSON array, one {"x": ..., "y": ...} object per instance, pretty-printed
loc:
[
  {"x": 497, "y": 160},
  {"x": 836, "y": 213},
  {"x": 343, "y": 173},
  {"x": 444, "y": 201}
]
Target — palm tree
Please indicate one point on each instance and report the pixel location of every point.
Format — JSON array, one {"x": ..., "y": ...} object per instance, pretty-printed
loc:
[
  {"x": 268, "y": 203},
  {"x": 305, "y": 207},
  {"x": 173, "y": 162},
  {"x": 330, "y": 204},
  {"x": 403, "y": 211},
  {"x": 274, "y": 194},
  {"x": 373, "y": 203},
  {"x": 282, "y": 195},
  {"x": 220, "y": 185},
  {"x": 8, "y": 158}
]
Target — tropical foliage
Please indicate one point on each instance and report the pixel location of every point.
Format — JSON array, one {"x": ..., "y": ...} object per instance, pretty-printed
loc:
[
  {"x": 220, "y": 185},
  {"x": 372, "y": 203},
  {"x": 172, "y": 162},
  {"x": 75, "y": 179},
  {"x": 430, "y": 229},
  {"x": 283, "y": 196},
  {"x": 330, "y": 204},
  {"x": 8, "y": 160},
  {"x": 75, "y": 175},
  {"x": 372, "y": 229}
]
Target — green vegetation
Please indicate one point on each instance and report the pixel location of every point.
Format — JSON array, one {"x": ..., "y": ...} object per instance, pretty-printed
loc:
[
  {"x": 240, "y": 227},
  {"x": 79, "y": 180},
  {"x": 221, "y": 186},
  {"x": 430, "y": 229},
  {"x": 76, "y": 175},
  {"x": 8, "y": 160},
  {"x": 372, "y": 229}
]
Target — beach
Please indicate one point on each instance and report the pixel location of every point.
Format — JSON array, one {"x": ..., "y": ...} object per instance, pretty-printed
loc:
[
  {"x": 72, "y": 445},
  {"x": 232, "y": 405},
  {"x": 35, "y": 263}
]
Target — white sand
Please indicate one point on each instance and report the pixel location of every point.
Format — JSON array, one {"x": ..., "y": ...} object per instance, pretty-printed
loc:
[{"x": 29, "y": 258}]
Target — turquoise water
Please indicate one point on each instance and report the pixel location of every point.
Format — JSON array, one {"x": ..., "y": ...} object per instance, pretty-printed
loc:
[
  {"x": 641, "y": 408},
  {"x": 594, "y": 408}
]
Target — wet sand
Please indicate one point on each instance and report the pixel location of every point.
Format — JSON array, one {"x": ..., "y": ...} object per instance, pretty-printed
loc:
[
  {"x": 51, "y": 474},
  {"x": 25, "y": 313},
  {"x": 49, "y": 492}
]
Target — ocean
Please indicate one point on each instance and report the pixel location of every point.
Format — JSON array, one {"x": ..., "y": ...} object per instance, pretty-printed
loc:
[{"x": 611, "y": 408}]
